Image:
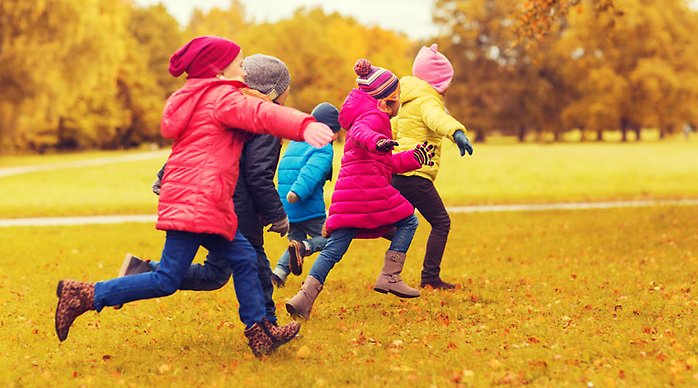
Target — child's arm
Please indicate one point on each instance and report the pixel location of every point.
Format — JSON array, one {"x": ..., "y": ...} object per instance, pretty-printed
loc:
[
  {"x": 261, "y": 155},
  {"x": 365, "y": 137},
  {"x": 438, "y": 120},
  {"x": 234, "y": 110},
  {"x": 411, "y": 160},
  {"x": 313, "y": 173}
]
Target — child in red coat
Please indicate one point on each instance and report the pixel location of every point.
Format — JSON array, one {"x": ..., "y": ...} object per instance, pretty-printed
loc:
[{"x": 194, "y": 207}]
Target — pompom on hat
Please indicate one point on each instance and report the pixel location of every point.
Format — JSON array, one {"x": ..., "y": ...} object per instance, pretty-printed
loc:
[
  {"x": 378, "y": 82},
  {"x": 433, "y": 67},
  {"x": 203, "y": 57}
]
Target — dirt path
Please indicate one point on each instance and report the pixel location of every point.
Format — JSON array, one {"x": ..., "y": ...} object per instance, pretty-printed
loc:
[{"x": 150, "y": 218}]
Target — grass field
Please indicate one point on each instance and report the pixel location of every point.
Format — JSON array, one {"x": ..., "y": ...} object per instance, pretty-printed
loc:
[{"x": 558, "y": 298}]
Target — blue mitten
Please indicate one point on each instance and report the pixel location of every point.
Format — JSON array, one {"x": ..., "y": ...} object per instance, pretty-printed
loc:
[{"x": 463, "y": 143}]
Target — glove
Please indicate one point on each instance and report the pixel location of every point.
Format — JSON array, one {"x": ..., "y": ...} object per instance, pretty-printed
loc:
[
  {"x": 279, "y": 226},
  {"x": 156, "y": 186},
  {"x": 463, "y": 143},
  {"x": 386, "y": 145},
  {"x": 292, "y": 197},
  {"x": 424, "y": 153}
]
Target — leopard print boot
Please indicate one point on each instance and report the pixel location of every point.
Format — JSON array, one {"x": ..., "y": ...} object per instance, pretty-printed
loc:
[
  {"x": 74, "y": 298},
  {"x": 264, "y": 337}
]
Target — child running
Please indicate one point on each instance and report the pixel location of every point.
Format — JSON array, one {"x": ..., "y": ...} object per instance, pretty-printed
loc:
[
  {"x": 364, "y": 204},
  {"x": 194, "y": 207},
  {"x": 423, "y": 118},
  {"x": 256, "y": 199},
  {"x": 303, "y": 171}
]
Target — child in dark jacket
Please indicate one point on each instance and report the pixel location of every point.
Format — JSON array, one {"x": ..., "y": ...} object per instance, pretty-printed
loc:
[
  {"x": 257, "y": 202},
  {"x": 303, "y": 171},
  {"x": 194, "y": 207}
]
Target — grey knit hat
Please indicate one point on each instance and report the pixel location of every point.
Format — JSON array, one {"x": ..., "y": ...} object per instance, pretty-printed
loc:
[{"x": 266, "y": 74}]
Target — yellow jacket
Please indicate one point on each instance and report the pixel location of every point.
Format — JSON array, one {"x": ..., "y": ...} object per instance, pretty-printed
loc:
[{"x": 422, "y": 117}]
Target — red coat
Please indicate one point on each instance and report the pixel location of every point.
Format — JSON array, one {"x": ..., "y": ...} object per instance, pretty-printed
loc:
[{"x": 203, "y": 168}]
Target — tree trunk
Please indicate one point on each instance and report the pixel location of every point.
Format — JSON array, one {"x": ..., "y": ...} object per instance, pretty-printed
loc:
[
  {"x": 637, "y": 131},
  {"x": 521, "y": 134},
  {"x": 623, "y": 130},
  {"x": 557, "y": 136},
  {"x": 599, "y": 135},
  {"x": 539, "y": 135},
  {"x": 662, "y": 132},
  {"x": 479, "y": 136}
]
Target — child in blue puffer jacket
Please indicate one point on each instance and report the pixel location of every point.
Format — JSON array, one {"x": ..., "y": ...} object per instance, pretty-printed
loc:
[{"x": 302, "y": 173}]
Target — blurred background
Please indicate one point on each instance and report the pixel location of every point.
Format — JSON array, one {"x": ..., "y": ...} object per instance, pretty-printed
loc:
[{"x": 92, "y": 74}]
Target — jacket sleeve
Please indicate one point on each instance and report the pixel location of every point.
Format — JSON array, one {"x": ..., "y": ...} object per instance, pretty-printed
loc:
[
  {"x": 314, "y": 172},
  {"x": 405, "y": 161},
  {"x": 438, "y": 120},
  {"x": 365, "y": 137},
  {"x": 235, "y": 110},
  {"x": 261, "y": 158}
]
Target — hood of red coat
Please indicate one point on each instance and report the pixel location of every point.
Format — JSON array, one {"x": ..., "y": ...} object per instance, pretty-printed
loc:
[{"x": 182, "y": 103}]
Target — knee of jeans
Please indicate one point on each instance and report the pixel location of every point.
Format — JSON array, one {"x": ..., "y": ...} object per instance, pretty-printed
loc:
[
  {"x": 166, "y": 285},
  {"x": 219, "y": 280}
]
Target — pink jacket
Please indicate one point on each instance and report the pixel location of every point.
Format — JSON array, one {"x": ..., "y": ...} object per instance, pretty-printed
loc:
[
  {"x": 363, "y": 197},
  {"x": 203, "y": 168}
]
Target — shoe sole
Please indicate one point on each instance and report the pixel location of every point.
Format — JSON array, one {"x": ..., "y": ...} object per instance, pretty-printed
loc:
[
  {"x": 398, "y": 294},
  {"x": 59, "y": 293},
  {"x": 122, "y": 273},
  {"x": 296, "y": 262}
]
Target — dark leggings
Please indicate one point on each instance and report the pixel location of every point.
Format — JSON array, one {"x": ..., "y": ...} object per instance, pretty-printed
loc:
[{"x": 423, "y": 195}]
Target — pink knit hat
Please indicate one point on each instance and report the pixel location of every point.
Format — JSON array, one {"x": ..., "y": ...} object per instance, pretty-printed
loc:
[
  {"x": 378, "y": 82},
  {"x": 203, "y": 57},
  {"x": 433, "y": 67}
]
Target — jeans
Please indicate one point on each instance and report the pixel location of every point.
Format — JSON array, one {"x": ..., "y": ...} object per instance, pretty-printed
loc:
[
  {"x": 298, "y": 231},
  {"x": 177, "y": 255},
  {"x": 340, "y": 240},
  {"x": 215, "y": 272},
  {"x": 423, "y": 195}
]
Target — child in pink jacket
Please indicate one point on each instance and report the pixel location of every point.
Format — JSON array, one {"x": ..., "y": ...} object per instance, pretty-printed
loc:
[
  {"x": 195, "y": 207},
  {"x": 364, "y": 204}
]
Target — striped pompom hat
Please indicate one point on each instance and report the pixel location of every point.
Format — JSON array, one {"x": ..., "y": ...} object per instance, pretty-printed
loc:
[{"x": 378, "y": 82}]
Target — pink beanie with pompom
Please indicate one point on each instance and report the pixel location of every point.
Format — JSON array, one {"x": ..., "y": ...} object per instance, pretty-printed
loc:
[
  {"x": 203, "y": 57},
  {"x": 433, "y": 67},
  {"x": 376, "y": 81}
]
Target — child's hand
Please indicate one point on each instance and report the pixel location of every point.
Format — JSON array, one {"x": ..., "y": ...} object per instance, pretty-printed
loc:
[
  {"x": 156, "y": 186},
  {"x": 386, "y": 145},
  {"x": 292, "y": 197},
  {"x": 318, "y": 135},
  {"x": 463, "y": 143},
  {"x": 424, "y": 153},
  {"x": 279, "y": 226}
]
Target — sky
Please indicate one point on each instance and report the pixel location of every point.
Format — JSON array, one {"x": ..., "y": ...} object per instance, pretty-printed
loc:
[{"x": 412, "y": 17}]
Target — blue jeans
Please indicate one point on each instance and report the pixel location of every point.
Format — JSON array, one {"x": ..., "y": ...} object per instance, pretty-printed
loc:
[
  {"x": 177, "y": 255},
  {"x": 215, "y": 272},
  {"x": 340, "y": 239},
  {"x": 298, "y": 231}
]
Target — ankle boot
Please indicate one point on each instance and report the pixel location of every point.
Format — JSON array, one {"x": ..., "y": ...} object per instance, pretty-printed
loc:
[
  {"x": 301, "y": 304},
  {"x": 389, "y": 280},
  {"x": 263, "y": 337},
  {"x": 296, "y": 252},
  {"x": 74, "y": 298}
]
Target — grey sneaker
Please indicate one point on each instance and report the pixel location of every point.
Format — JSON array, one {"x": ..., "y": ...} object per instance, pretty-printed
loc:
[{"x": 132, "y": 265}]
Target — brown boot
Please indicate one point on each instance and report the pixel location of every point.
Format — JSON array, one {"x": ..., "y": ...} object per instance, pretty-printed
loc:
[
  {"x": 301, "y": 304},
  {"x": 74, "y": 298},
  {"x": 296, "y": 252},
  {"x": 264, "y": 338},
  {"x": 389, "y": 280}
]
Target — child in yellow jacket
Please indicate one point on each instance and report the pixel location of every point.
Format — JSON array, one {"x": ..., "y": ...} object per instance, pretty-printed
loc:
[{"x": 422, "y": 117}]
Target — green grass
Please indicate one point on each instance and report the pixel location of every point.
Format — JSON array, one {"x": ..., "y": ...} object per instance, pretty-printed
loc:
[
  {"x": 559, "y": 298},
  {"x": 551, "y": 298},
  {"x": 499, "y": 173}
]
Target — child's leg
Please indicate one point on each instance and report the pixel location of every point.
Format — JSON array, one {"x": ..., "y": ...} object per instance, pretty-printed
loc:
[
  {"x": 264, "y": 273},
  {"x": 389, "y": 279},
  {"x": 295, "y": 233},
  {"x": 213, "y": 274},
  {"x": 423, "y": 195},
  {"x": 335, "y": 249},
  {"x": 243, "y": 260},
  {"x": 313, "y": 228},
  {"x": 178, "y": 253}
]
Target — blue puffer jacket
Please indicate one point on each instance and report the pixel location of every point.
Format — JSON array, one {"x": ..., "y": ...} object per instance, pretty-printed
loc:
[{"x": 304, "y": 169}]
